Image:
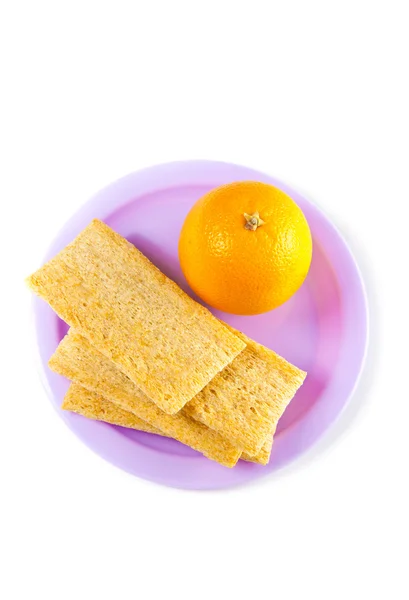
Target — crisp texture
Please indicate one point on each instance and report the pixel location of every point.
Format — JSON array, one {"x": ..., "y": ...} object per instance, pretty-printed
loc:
[
  {"x": 262, "y": 380},
  {"x": 169, "y": 345},
  {"x": 263, "y": 455},
  {"x": 78, "y": 360},
  {"x": 94, "y": 406},
  {"x": 245, "y": 401}
]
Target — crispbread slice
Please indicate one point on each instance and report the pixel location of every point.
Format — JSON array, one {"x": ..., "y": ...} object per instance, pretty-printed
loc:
[
  {"x": 78, "y": 360},
  {"x": 263, "y": 456},
  {"x": 169, "y": 345},
  {"x": 94, "y": 406},
  {"x": 245, "y": 401}
]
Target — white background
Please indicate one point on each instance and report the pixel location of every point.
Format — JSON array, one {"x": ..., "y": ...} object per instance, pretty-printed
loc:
[{"x": 315, "y": 93}]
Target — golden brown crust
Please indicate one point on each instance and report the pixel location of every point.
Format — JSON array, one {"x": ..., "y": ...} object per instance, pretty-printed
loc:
[
  {"x": 94, "y": 406},
  {"x": 78, "y": 360},
  {"x": 91, "y": 405},
  {"x": 168, "y": 344},
  {"x": 263, "y": 456},
  {"x": 245, "y": 401}
]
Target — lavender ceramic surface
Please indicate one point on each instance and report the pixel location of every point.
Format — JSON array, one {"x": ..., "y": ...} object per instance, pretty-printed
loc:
[{"x": 322, "y": 329}]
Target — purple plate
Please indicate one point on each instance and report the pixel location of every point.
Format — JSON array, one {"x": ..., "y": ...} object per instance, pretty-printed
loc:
[{"x": 322, "y": 329}]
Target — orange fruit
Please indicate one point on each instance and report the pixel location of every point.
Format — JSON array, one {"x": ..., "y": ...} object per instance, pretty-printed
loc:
[{"x": 245, "y": 247}]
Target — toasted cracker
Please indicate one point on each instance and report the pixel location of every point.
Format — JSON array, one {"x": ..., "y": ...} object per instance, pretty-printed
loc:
[
  {"x": 78, "y": 360},
  {"x": 263, "y": 456},
  {"x": 245, "y": 401},
  {"x": 169, "y": 345},
  {"x": 94, "y": 406}
]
